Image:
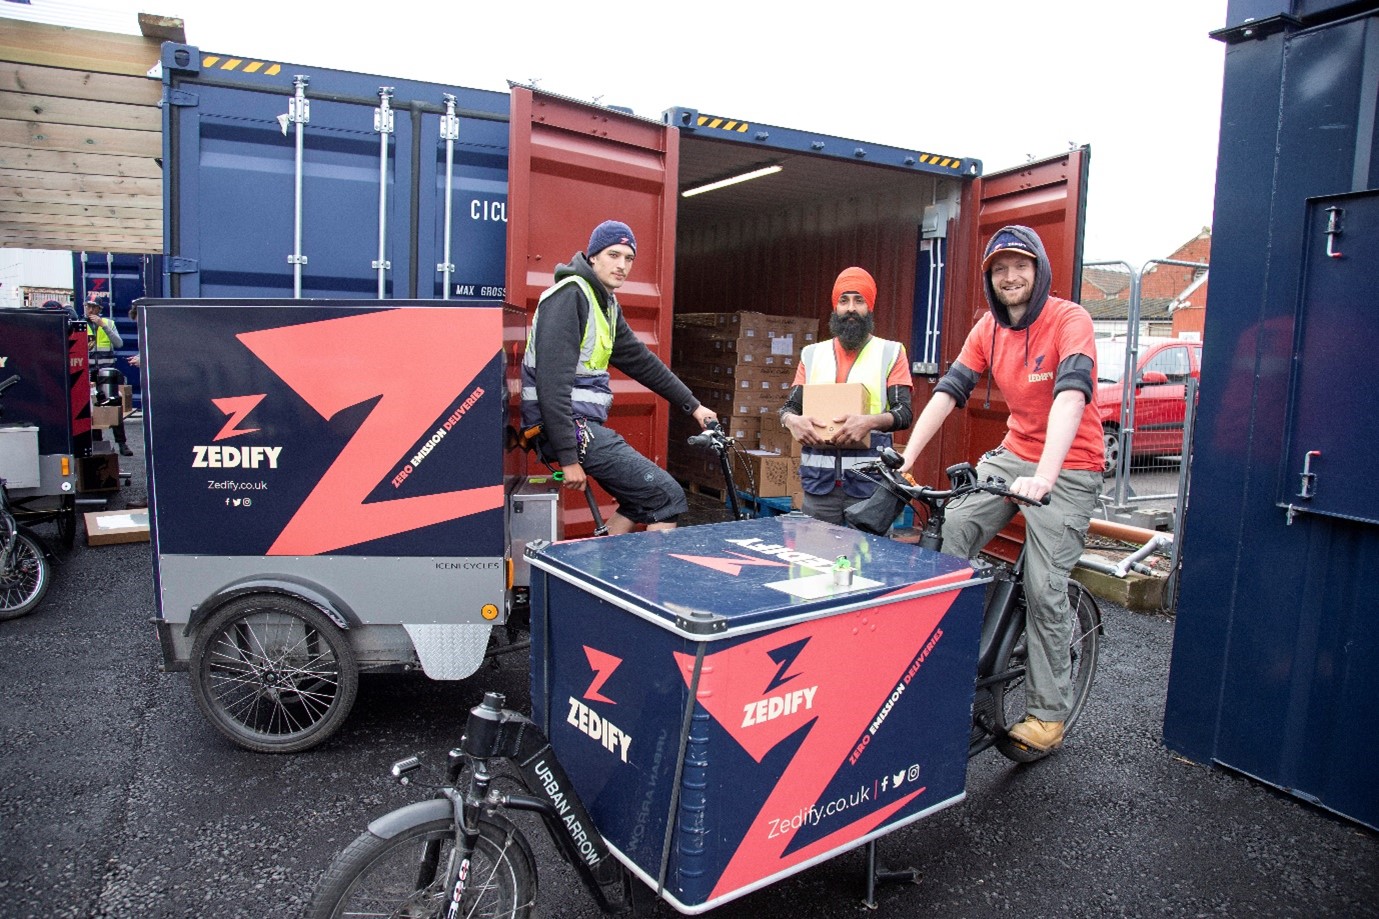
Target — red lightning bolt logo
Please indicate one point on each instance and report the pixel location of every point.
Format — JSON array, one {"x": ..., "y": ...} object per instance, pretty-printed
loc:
[
  {"x": 732, "y": 566},
  {"x": 238, "y": 408},
  {"x": 603, "y": 664}
]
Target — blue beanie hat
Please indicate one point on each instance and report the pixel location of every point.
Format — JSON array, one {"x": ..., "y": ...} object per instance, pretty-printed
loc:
[
  {"x": 1007, "y": 240},
  {"x": 610, "y": 233}
]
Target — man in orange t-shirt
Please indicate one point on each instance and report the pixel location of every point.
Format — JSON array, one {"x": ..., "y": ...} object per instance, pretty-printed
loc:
[
  {"x": 827, "y": 472},
  {"x": 1040, "y": 350}
]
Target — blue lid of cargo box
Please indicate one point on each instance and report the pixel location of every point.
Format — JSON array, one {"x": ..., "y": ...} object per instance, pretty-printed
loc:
[{"x": 720, "y": 579}]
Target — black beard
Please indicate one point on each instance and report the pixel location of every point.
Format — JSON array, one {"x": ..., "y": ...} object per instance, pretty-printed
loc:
[{"x": 851, "y": 329}]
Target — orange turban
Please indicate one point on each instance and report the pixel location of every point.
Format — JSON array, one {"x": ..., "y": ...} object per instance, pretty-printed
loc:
[{"x": 858, "y": 280}]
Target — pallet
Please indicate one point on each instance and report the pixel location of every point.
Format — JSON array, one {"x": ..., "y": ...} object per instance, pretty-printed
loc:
[{"x": 693, "y": 487}]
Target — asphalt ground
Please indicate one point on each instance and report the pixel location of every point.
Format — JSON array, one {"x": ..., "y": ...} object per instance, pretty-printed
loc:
[{"x": 117, "y": 799}]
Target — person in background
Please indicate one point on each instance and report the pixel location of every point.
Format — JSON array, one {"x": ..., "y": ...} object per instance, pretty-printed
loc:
[
  {"x": 1041, "y": 352},
  {"x": 853, "y": 355},
  {"x": 61, "y": 307},
  {"x": 577, "y": 332},
  {"x": 102, "y": 338}
]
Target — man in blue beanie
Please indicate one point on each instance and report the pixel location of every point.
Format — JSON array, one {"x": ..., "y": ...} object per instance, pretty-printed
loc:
[{"x": 577, "y": 333}]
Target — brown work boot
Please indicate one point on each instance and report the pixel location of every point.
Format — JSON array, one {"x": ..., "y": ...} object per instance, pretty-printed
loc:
[{"x": 1043, "y": 736}]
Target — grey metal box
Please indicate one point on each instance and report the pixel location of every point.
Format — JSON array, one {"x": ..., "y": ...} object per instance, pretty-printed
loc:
[
  {"x": 533, "y": 513},
  {"x": 19, "y": 456}
]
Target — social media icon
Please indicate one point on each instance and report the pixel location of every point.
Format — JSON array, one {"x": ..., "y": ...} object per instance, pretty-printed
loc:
[{"x": 899, "y": 777}]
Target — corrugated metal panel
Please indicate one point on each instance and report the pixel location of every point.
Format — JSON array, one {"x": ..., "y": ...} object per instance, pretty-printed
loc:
[
  {"x": 784, "y": 263},
  {"x": 571, "y": 166},
  {"x": 1276, "y": 629}
]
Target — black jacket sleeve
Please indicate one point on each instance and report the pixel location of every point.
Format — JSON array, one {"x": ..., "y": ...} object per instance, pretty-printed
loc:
[
  {"x": 898, "y": 404},
  {"x": 558, "y": 335},
  {"x": 634, "y": 358},
  {"x": 958, "y": 382}
]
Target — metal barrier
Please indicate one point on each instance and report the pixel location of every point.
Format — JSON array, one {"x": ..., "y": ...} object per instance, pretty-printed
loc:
[{"x": 1121, "y": 500}]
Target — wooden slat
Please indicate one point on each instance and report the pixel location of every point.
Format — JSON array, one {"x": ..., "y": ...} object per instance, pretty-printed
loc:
[
  {"x": 79, "y": 84},
  {"x": 77, "y": 49},
  {"x": 59, "y": 224},
  {"x": 79, "y": 138},
  {"x": 137, "y": 167},
  {"x": 83, "y": 242},
  {"x": 14, "y": 209},
  {"x": 57, "y": 110},
  {"x": 36, "y": 198},
  {"x": 94, "y": 185}
]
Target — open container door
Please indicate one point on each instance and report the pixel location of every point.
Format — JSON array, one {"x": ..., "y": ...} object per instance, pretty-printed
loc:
[
  {"x": 1050, "y": 197},
  {"x": 571, "y": 166}
]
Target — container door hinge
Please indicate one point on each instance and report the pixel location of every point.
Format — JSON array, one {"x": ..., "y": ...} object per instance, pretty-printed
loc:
[
  {"x": 179, "y": 265},
  {"x": 182, "y": 98}
]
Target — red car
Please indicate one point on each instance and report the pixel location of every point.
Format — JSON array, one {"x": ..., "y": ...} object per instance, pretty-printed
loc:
[{"x": 1160, "y": 394}]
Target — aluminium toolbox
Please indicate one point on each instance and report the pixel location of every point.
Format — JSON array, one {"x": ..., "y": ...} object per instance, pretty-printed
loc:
[{"x": 824, "y": 713}]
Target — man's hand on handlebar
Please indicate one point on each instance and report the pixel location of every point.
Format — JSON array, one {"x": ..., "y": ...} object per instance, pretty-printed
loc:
[
  {"x": 1035, "y": 488},
  {"x": 705, "y": 415}
]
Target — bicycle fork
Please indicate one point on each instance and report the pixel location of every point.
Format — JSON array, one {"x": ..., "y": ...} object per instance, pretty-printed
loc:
[{"x": 493, "y": 732}]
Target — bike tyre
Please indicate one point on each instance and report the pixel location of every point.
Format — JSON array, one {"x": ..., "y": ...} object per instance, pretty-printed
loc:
[
  {"x": 1085, "y": 650},
  {"x": 310, "y": 658},
  {"x": 501, "y": 855},
  {"x": 23, "y": 589}
]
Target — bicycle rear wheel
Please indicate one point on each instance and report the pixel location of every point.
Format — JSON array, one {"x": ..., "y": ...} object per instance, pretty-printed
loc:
[
  {"x": 1008, "y": 696},
  {"x": 24, "y": 581},
  {"x": 408, "y": 874}
]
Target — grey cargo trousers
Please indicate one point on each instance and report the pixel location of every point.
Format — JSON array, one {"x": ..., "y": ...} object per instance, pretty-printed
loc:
[{"x": 1054, "y": 539}]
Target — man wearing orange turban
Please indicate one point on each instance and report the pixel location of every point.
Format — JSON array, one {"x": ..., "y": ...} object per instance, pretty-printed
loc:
[{"x": 853, "y": 355}]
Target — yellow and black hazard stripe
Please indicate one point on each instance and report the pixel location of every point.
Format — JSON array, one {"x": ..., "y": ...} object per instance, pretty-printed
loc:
[
  {"x": 221, "y": 62},
  {"x": 722, "y": 124},
  {"x": 934, "y": 159}
]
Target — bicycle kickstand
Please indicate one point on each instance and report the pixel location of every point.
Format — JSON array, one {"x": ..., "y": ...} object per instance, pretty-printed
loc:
[{"x": 878, "y": 875}]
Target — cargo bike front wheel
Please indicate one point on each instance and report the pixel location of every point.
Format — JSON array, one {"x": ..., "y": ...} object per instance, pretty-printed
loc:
[
  {"x": 273, "y": 673},
  {"x": 407, "y": 874},
  {"x": 24, "y": 574}
]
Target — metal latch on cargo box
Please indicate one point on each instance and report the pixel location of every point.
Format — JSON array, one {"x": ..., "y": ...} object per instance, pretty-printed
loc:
[{"x": 178, "y": 264}]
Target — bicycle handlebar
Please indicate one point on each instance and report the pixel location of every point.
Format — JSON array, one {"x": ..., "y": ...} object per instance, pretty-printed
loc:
[
  {"x": 962, "y": 476},
  {"x": 712, "y": 435}
]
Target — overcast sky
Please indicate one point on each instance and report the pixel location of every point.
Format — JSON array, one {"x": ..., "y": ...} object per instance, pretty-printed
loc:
[{"x": 998, "y": 80}]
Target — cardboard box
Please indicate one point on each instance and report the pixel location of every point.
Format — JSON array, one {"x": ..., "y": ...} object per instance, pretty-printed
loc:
[
  {"x": 105, "y": 416},
  {"x": 825, "y": 401},
  {"x": 770, "y": 474},
  {"x": 796, "y": 486},
  {"x": 778, "y": 440},
  {"x": 108, "y": 528},
  {"x": 745, "y": 429},
  {"x": 127, "y": 398}
]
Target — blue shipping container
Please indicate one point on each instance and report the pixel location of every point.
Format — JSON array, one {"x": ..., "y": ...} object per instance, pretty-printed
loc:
[{"x": 1277, "y": 630}]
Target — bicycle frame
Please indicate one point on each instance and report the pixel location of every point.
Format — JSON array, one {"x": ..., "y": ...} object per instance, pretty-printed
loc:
[{"x": 494, "y": 732}]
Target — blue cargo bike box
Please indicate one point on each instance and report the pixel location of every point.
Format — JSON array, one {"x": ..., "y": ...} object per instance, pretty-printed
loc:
[{"x": 736, "y": 702}]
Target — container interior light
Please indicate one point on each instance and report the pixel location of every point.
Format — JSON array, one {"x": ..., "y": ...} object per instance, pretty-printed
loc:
[{"x": 734, "y": 180}]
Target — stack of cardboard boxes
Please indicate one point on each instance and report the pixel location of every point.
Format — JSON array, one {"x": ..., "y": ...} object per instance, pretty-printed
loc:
[{"x": 742, "y": 366}]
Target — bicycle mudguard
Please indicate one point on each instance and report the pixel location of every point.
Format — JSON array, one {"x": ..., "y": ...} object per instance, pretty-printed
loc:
[{"x": 404, "y": 818}]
